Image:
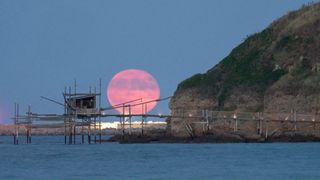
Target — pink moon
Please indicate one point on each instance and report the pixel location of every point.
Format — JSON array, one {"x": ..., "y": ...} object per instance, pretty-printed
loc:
[{"x": 132, "y": 84}]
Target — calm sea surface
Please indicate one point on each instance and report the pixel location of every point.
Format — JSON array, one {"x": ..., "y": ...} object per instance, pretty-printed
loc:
[{"x": 47, "y": 158}]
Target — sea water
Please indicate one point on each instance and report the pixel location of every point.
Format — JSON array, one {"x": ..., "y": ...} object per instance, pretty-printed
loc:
[{"x": 49, "y": 158}]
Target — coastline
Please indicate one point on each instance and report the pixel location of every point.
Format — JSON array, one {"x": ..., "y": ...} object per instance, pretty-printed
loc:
[
  {"x": 156, "y": 136},
  {"x": 227, "y": 138}
]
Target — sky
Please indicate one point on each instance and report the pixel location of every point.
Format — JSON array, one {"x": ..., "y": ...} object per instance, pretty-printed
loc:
[{"x": 45, "y": 44}]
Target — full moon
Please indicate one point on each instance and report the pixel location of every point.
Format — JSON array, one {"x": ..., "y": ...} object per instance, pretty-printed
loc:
[{"x": 132, "y": 84}]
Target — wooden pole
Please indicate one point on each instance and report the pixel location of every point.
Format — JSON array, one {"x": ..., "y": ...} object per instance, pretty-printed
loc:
[
  {"x": 74, "y": 133},
  {"x": 29, "y": 125},
  {"x": 82, "y": 132},
  {"x": 17, "y": 138},
  {"x": 235, "y": 118},
  {"x": 267, "y": 128},
  {"x": 146, "y": 111},
  {"x": 15, "y": 124},
  {"x": 129, "y": 119},
  {"x": 123, "y": 120},
  {"x": 65, "y": 132},
  {"x": 100, "y": 131},
  {"x": 145, "y": 117},
  {"x": 95, "y": 130},
  {"x": 261, "y": 122},
  {"x": 70, "y": 133},
  {"x": 260, "y": 117},
  {"x": 75, "y": 114},
  {"x": 65, "y": 119},
  {"x": 142, "y": 118},
  {"x": 70, "y": 111},
  {"x": 295, "y": 121},
  {"x": 207, "y": 119},
  {"x": 89, "y": 132},
  {"x": 95, "y": 122}
]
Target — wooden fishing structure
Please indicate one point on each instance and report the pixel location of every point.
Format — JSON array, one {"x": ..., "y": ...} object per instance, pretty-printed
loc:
[{"x": 81, "y": 111}]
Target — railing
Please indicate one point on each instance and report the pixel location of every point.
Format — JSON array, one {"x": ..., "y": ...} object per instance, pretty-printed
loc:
[{"x": 271, "y": 116}]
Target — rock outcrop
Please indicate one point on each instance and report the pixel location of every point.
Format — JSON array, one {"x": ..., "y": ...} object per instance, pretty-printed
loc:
[{"x": 276, "y": 70}]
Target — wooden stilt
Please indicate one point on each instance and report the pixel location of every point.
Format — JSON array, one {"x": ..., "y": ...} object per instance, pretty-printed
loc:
[
  {"x": 207, "y": 121},
  {"x": 267, "y": 129},
  {"x": 95, "y": 131},
  {"x": 100, "y": 132},
  {"x": 142, "y": 118},
  {"x": 260, "y": 117},
  {"x": 70, "y": 132},
  {"x": 82, "y": 132},
  {"x": 74, "y": 133},
  {"x": 29, "y": 125},
  {"x": 129, "y": 119},
  {"x": 15, "y": 124},
  {"x": 295, "y": 122},
  {"x": 17, "y": 134},
  {"x": 123, "y": 120},
  {"x": 89, "y": 133}
]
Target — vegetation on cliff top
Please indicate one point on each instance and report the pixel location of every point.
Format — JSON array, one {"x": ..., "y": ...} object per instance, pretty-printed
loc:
[{"x": 289, "y": 47}]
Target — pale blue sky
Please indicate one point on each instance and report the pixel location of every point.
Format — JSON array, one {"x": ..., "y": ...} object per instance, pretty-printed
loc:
[{"x": 45, "y": 44}]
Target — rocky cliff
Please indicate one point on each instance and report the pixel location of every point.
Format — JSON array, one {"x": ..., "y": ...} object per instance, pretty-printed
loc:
[{"x": 277, "y": 69}]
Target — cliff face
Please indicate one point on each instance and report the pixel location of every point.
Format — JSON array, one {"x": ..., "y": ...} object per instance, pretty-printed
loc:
[{"x": 275, "y": 70}]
